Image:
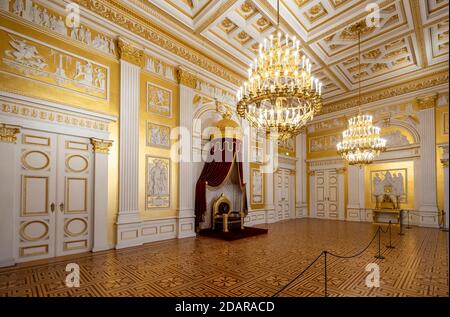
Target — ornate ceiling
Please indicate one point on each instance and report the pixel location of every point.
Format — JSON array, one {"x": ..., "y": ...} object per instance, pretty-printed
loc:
[{"x": 411, "y": 40}]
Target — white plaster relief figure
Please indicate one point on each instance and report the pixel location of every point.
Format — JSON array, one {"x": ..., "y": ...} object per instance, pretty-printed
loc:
[
  {"x": 399, "y": 188},
  {"x": 88, "y": 74},
  {"x": 4, "y": 5},
  {"x": 45, "y": 18},
  {"x": 18, "y": 7},
  {"x": 158, "y": 183},
  {"x": 78, "y": 71},
  {"x": 112, "y": 47},
  {"x": 36, "y": 15},
  {"x": 60, "y": 27},
  {"x": 25, "y": 54},
  {"x": 82, "y": 34},
  {"x": 99, "y": 79},
  {"x": 88, "y": 36},
  {"x": 74, "y": 33},
  {"x": 28, "y": 12},
  {"x": 377, "y": 185},
  {"x": 150, "y": 65}
]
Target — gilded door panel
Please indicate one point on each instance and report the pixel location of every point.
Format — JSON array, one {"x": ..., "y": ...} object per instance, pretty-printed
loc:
[
  {"x": 35, "y": 219},
  {"x": 74, "y": 216}
]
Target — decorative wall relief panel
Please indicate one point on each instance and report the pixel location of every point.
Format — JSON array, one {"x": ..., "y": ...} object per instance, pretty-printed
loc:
[
  {"x": 36, "y": 13},
  {"x": 157, "y": 185},
  {"x": 392, "y": 182},
  {"x": 33, "y": 60},
  {"x": 159, "y": 100},
  {"x": 324, "y": 143},
  {"x": 156, "y": 66},
  {"x": 287, "y": 146},
  {"x": 395, "y": 138},
  {"x": 158, "y": 135},
  {"x": 257, "y": 189}
]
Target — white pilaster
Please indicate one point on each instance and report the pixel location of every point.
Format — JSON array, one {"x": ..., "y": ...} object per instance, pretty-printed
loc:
[
  {"x": 8, "y": 159},
  {"x": 269, "y": 172},
  {"x": 186, "y": 215},
  {"x": 128, "y": 220},
  {"x": 301, "y": 206},
  {"x": 355, "y": 194},
  {"x": 428, "y": 206},
  {"x": 100, "y": 194},
  {"x": 444, "y": 161}
]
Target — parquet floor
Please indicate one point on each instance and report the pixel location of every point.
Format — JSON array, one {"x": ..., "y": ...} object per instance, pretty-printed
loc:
[{"x": 256, "y": 266}]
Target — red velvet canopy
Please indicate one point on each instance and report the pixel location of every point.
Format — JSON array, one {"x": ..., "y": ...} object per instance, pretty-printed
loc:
[{"x": 224, "y": 154}]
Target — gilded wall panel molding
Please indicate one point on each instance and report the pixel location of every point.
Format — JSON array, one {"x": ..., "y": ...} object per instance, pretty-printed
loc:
[
  {"x": 120, "y": 15},
  {"x": 130, "y": 52},
  {"x": 101, "y": 146},
  {"x": 41, "y": 114},
  {"x": 412, "y": 86},
  {"x": 8, "y": 133},
  {"x": 186, "y": 78}
]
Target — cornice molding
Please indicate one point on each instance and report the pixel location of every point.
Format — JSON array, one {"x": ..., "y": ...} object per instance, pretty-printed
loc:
[
  {"x": 404, "y": 88},
  {"x": 118, "y": 14},
  {"x": 130, "y": 52}
]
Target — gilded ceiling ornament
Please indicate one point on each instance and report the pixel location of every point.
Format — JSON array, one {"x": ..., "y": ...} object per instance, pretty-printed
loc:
[
  {"x": 130, "y": 52},
  {"x": 101, "y": 146},
  {"x": 8, "y": 133}
]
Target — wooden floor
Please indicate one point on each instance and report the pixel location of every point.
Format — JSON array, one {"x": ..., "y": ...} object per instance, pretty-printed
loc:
[{"x": 256, "y": 266}]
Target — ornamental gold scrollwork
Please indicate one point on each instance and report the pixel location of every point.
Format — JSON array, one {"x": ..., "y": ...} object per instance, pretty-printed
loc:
[
  {"x": 341, "y": 170},
  {"x": 101, "y": 146},
  {"x": 130, "y": 52},
  {"x": 8, "y": 133},
  {"x": 412, "y": 86}
]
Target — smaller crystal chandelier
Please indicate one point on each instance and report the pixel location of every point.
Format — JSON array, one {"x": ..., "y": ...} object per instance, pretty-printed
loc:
[
  {"x": 361, "y": 142},
  {"x": 280, "y": 95}
]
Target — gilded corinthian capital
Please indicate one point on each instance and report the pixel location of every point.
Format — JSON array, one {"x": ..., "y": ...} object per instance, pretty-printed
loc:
[
  {"x": 427, "y": 102},
  {"x": 186, "y": 78},
  {"x": 101, "y": 146},
  {"x": 8, "y": 133},
  {"x": 130, "y": 52}
]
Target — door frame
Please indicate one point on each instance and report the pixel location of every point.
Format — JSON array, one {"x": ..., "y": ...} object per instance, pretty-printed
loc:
[
  {"x": 46, "y": 121},
  {"x": 338, "y": 165}
]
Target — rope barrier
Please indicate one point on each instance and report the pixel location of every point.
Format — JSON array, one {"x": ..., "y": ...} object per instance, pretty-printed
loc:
[
  {"x": 307, "y": 268},
  {"x": 325, "y": 253}
]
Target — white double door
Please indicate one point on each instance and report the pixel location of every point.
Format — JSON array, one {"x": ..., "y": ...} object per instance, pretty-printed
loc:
[
  {"x": 284, "y": 194},
  {"x": 54, "y": 201},
  {"x": 327, "y": 194}
]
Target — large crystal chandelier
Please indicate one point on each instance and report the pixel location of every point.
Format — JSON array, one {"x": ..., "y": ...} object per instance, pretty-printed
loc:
[
  {"x": 280, "y": 95},
  {"x": 361, "y": 142}
]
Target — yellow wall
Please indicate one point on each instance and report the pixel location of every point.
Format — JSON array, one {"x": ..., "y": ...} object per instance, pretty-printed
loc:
[
  {"x": 144, "y": 150},
  {"x": 441, "y": 138},
  {"x": 42, "y": 88},
  {"x": 374, "y": 167}
]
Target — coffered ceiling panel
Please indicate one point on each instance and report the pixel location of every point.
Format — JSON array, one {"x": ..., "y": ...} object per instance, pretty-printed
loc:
[{"x": 411, "y": 36}]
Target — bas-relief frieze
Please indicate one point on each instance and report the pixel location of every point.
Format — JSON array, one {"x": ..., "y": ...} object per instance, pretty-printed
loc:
[
  {"x": 27, "y": 58},
  {"x": 38, "y": 14},
  {"x": 257, "y": 186}
]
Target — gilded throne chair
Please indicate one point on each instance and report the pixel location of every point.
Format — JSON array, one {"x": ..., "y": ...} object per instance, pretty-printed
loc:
[{"x": 224, "y": 218}]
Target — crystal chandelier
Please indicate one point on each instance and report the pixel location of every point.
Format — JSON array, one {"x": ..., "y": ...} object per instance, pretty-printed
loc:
[
  {"x": 361, "y": 142},
  {"x": 280, "y": 95}
]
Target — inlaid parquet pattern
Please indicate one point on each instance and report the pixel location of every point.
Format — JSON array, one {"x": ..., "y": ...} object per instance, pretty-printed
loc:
[{"x": 256, "y": 266}]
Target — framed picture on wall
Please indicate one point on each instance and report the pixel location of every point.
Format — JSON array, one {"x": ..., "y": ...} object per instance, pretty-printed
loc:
[
  {"x": 159, "y": 100},
  {"x": 158, "y": 135},
  {"x": 157, "y": 182}
]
